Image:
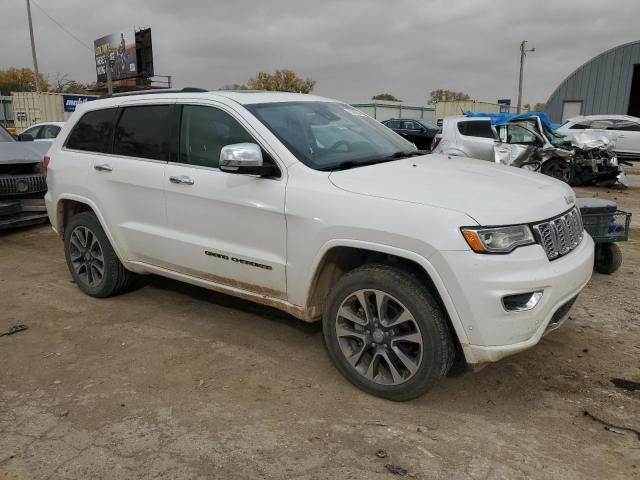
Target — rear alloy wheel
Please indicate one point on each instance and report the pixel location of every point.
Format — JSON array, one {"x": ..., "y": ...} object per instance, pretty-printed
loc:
[
  {"x": 86, "y": 256},
  {"x": 559, "y": 169},
  {"x": 93, "y": 263},
  {"x": 386, "y": 333}
]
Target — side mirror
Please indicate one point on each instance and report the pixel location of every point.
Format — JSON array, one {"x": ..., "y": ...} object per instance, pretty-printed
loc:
[
  {"x": 422, "y": 130},
  {"x": 237, "y": 157},
  {"x": 25, "y": 137},
  {"x": 246, "y": 158}
]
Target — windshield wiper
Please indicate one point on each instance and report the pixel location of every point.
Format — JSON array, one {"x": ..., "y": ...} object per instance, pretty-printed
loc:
[
  {"x": 406, "y": 154},
  {"x": 355, "y": 163}
]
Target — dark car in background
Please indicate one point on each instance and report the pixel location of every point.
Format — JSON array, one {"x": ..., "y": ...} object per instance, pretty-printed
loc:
[{"x": 419, "y": 132}]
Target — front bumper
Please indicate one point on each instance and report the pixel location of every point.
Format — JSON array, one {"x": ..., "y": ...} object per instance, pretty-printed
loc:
[
  {"x": 31, "y": 211},
  {"x": 477, "y": 284}
]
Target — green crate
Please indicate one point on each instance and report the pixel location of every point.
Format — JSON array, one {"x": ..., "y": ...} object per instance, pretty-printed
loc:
[{"x": 607, "y": 227}]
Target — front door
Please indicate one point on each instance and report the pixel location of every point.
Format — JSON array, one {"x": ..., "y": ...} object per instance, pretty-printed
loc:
[{"x": 224, "y": 227}]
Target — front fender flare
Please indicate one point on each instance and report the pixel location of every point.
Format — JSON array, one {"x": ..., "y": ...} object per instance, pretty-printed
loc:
[{"x": 398, "y": 252}]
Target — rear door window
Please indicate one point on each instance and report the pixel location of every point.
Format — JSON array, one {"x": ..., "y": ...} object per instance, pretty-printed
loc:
[
  {"x": 143, "y": 132},
  {"x": 49, "y": 132},
  {"x": 93, "y": 131},
  {"x": 580, "y": 125},
  {"x": 476, "y": 128},
  {"x": 33, "y": 131},
  {"x": 626, "y": 126}
]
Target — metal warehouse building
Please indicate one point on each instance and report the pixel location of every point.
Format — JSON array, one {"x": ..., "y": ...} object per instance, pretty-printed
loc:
[{"x": 608, "y": 83}]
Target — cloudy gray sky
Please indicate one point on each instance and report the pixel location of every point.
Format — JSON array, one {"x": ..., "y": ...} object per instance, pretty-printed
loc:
[{"x": 353, "y": 49}]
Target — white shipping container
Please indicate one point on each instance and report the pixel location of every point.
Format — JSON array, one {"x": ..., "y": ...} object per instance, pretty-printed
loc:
[
  {"x": 449, "y": 109},
  {"x": 382, "y": 110},
  {"x": 30, "y": 108}
]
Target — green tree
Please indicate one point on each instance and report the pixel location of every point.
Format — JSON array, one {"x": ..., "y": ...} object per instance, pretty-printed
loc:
[
  {"x": 442, "y": 95},
  {"x": 386, "y": 96},
  {"x": 61, "y": 83},
  {"x": 20, "y": 80},
  {"x": 539, "y": 107},
  {"x": 281, "y": 81}
]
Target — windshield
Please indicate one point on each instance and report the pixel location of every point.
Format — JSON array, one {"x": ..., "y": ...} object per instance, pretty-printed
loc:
[
  {"x": 325, "y": 136},
  {"x": 5, "y": 136}
]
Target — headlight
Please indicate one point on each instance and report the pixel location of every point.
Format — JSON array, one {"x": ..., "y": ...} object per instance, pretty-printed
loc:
[{"x": 498, "y": 240}]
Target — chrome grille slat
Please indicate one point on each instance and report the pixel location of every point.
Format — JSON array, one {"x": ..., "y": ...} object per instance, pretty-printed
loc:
[
  {"x": 560, "y": 235},
  {"x": 35, "y": 183}
]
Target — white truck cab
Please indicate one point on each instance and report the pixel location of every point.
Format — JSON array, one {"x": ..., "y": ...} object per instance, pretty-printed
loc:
[{"x": 308, "y": 205}]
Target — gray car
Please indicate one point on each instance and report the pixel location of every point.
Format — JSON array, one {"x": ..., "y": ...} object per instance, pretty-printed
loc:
[{"x": 22, "y": 181}]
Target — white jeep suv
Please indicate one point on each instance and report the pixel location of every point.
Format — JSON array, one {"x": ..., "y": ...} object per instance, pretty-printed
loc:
[{"x": 310, "y": 206}]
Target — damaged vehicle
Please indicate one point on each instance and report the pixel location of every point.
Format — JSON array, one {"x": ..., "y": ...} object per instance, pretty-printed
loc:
[
  {"x": 529, "y": 141},
  {"x": 22, "y": 182}
]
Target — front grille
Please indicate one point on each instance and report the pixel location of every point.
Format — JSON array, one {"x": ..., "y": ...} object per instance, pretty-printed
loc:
[
  {"x": 22, "y": 184},
  {"x": 561, "y": 234}
]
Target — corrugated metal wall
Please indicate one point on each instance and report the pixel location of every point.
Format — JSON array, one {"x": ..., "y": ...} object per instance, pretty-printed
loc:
[
  {"x": 31, "y": 107},
  {"x": 603, "y": 84},
  {"x": 385, "y": 111}
]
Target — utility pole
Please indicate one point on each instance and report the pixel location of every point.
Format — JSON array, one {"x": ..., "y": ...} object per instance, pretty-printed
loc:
[
  {"x": 109, "y": 80},
  {"x": 523, "y": 53},
  {"x": 33, "y": 49}
]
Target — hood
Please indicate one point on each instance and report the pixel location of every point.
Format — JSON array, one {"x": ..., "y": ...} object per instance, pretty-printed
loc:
[
  {"x": 491, "y": 194},
  {"x": 23, "y": 152}
]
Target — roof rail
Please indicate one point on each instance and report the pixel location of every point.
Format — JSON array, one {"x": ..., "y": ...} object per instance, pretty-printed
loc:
[{"x": 156, "y": 91}]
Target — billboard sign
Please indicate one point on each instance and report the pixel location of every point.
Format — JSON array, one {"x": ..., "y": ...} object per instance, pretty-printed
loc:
[
  {"x": 70, "y": 102},
  {"x": 121, "y": 55}
]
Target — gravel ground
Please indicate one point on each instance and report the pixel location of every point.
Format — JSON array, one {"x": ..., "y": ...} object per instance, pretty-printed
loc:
[{"x": 172, "y": 381}]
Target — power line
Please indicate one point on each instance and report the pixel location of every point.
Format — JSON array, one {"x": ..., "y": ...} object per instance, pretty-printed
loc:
[{"x": 62, "y": 27}]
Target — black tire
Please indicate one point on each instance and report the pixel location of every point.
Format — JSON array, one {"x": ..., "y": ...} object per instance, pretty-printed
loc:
[
  {"x": 559, "y": 169},
  {"x": 608, "y": 258},
  {"x": 428, "y": 320},
  {"x": 115, "y": 278}
]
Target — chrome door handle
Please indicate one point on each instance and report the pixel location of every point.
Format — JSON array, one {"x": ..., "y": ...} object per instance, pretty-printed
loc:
[
  {"x": 181, "y": 180},
  {"x": 103, "y": 168}
]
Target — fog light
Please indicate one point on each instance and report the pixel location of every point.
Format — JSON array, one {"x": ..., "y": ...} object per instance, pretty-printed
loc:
[{"x": 521, "y": 302}]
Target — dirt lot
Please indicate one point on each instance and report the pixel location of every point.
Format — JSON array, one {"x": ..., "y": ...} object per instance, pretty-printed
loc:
[{"x": 171, "y": 381}]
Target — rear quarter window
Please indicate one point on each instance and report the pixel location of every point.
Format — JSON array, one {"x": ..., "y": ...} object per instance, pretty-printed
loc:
[
  {"x": 476, "y": 128},
  {"x": 92, "y": 131}
]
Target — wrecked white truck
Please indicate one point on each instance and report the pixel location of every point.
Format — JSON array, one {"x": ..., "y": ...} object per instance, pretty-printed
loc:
[
  {"x": 529, "y": 141},
  {"x": 22, "y": 182}
]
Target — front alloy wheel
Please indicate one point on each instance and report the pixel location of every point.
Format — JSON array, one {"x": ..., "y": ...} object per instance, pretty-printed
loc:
[
  {"x": 386, "y": 333},
  {"x": 379, "y": 337}
]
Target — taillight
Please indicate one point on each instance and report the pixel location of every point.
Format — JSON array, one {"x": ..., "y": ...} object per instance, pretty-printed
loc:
[
  {"x": 45, "y": 163},
  {"x": 435, "y": 141}
]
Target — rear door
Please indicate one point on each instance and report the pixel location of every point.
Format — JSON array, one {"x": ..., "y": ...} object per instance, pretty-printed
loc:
[
  {"x": 628, "y": 136},
  {"x": 476, "y": 138},
  {"x": 127, "y": 182},
  {"x": 224, "y": 227},
  {"x": 412, "y": 132}
]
